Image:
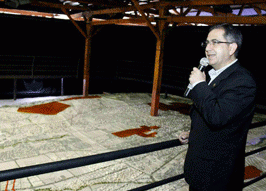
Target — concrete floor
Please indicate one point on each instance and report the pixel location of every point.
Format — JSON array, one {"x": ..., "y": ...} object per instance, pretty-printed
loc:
[{"x": 85, "y": 128}]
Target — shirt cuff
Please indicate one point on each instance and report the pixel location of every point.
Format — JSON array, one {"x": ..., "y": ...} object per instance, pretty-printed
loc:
[{"x": 191, "y": 86}]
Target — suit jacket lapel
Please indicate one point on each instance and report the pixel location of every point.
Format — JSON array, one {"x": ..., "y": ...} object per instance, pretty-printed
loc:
[{"x": 224, "y": 75}]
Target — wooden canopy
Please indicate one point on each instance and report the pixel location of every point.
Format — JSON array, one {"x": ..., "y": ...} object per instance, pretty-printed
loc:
[{"x": 155, "y": 14}]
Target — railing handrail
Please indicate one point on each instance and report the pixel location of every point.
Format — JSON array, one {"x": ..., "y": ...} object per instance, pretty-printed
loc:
[
  {"x": 104, "y": 157},
  {"x": 83, "y": 161}
]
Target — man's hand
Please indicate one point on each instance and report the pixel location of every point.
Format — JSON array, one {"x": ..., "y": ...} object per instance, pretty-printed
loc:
[
  {"x": 183, "y": 137},
  {"x": 196, "y": 76}
]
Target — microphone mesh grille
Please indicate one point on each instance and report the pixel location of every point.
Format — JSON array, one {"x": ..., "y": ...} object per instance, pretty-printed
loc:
[{"x": 204, "y": 61}]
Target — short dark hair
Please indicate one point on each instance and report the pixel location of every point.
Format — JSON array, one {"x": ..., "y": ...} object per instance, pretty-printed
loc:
[{"x": 232, "y": 34}]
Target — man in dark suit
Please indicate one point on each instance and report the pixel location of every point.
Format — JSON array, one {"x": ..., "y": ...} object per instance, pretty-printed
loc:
[{"x": 220, "y": 116}]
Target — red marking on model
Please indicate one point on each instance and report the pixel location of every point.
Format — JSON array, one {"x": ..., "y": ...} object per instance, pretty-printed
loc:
[
  {"x": 142, "y": 131},
  {"x": 252, "y": 172},
  {"x": 86, "y": 97},
  {"x": 52, "y": 108},
  {"x": 13, "y": 187},
  {"x": 6, "y": 186}
]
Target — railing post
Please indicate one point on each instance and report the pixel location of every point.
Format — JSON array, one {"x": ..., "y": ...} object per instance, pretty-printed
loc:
[
  {"x": 15, "y": 89},
  {"x": 62, "y": 86},
  {"x": 32, "y": 66}
]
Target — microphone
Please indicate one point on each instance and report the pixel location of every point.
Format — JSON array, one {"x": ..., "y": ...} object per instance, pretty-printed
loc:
[{"x": 204, "y": 62}]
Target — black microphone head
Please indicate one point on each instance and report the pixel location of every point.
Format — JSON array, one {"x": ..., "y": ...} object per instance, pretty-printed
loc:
[{"x": 204, "y": 61}]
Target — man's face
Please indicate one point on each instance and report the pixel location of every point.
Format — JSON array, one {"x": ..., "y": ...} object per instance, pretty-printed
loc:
[{"x": 219, "y": 55}]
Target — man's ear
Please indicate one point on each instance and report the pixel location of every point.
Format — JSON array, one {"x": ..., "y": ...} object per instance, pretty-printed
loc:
[{"x": 233, "y": 48}]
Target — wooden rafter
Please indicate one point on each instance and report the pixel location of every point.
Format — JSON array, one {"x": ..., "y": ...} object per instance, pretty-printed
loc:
[
  {"x": 241, "y": 10},
  {"x": 28, "y": 13},
  {"x": 121, "y": 21},
  {"x": 146, "y": 19},
  {"x": 74, "y": 22},
  {"x": 198, "y": 13},
  {"x": 123, "y": 9},
  {"x": 258, "y": 11},
  {"x": 186, "y": 12}
]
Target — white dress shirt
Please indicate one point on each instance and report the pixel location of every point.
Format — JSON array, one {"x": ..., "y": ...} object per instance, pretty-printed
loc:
[{"x": 214, "y": 73}]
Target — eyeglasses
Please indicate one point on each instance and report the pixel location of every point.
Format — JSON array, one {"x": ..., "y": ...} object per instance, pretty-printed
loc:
[{"x": 213, "y": 42}]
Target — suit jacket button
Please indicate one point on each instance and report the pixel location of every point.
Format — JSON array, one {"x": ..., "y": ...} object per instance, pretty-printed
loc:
[{"x": 214, "y": 85}]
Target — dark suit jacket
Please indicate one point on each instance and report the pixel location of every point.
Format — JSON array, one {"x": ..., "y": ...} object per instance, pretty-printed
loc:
[{"x": 220, "y": 118}]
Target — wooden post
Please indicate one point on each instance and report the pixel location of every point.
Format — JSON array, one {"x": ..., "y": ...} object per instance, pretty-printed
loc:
[
  {"x": 158, "y": 67},
  {"x": 87, "y": 56}
]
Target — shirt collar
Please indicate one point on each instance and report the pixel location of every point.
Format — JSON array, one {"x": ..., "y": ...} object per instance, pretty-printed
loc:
[{"x": 213, "y": 72}]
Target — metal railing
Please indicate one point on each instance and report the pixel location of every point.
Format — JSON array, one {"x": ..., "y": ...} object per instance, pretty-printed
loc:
[
  {"x": 109, "y": 156},
  {"x": 38, "y": 67},
  {"x": 18, "y": 66},
  {"x": 83, "y": 161}
]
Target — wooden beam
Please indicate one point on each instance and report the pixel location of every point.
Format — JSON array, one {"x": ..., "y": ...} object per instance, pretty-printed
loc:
[
  {"x": 86, "y": 75},
  {"x": 74, "y": 22},
  {"x": 158, "y": 67},
  {"x": 123, "y": 9},
  {"x": 121, "y": 21},
  {"x": 28, "y": 13},
  {"x": 210, "y": 2},
  {"x": 258, "y": 20},
  {"x": 146, "y": 19}
]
